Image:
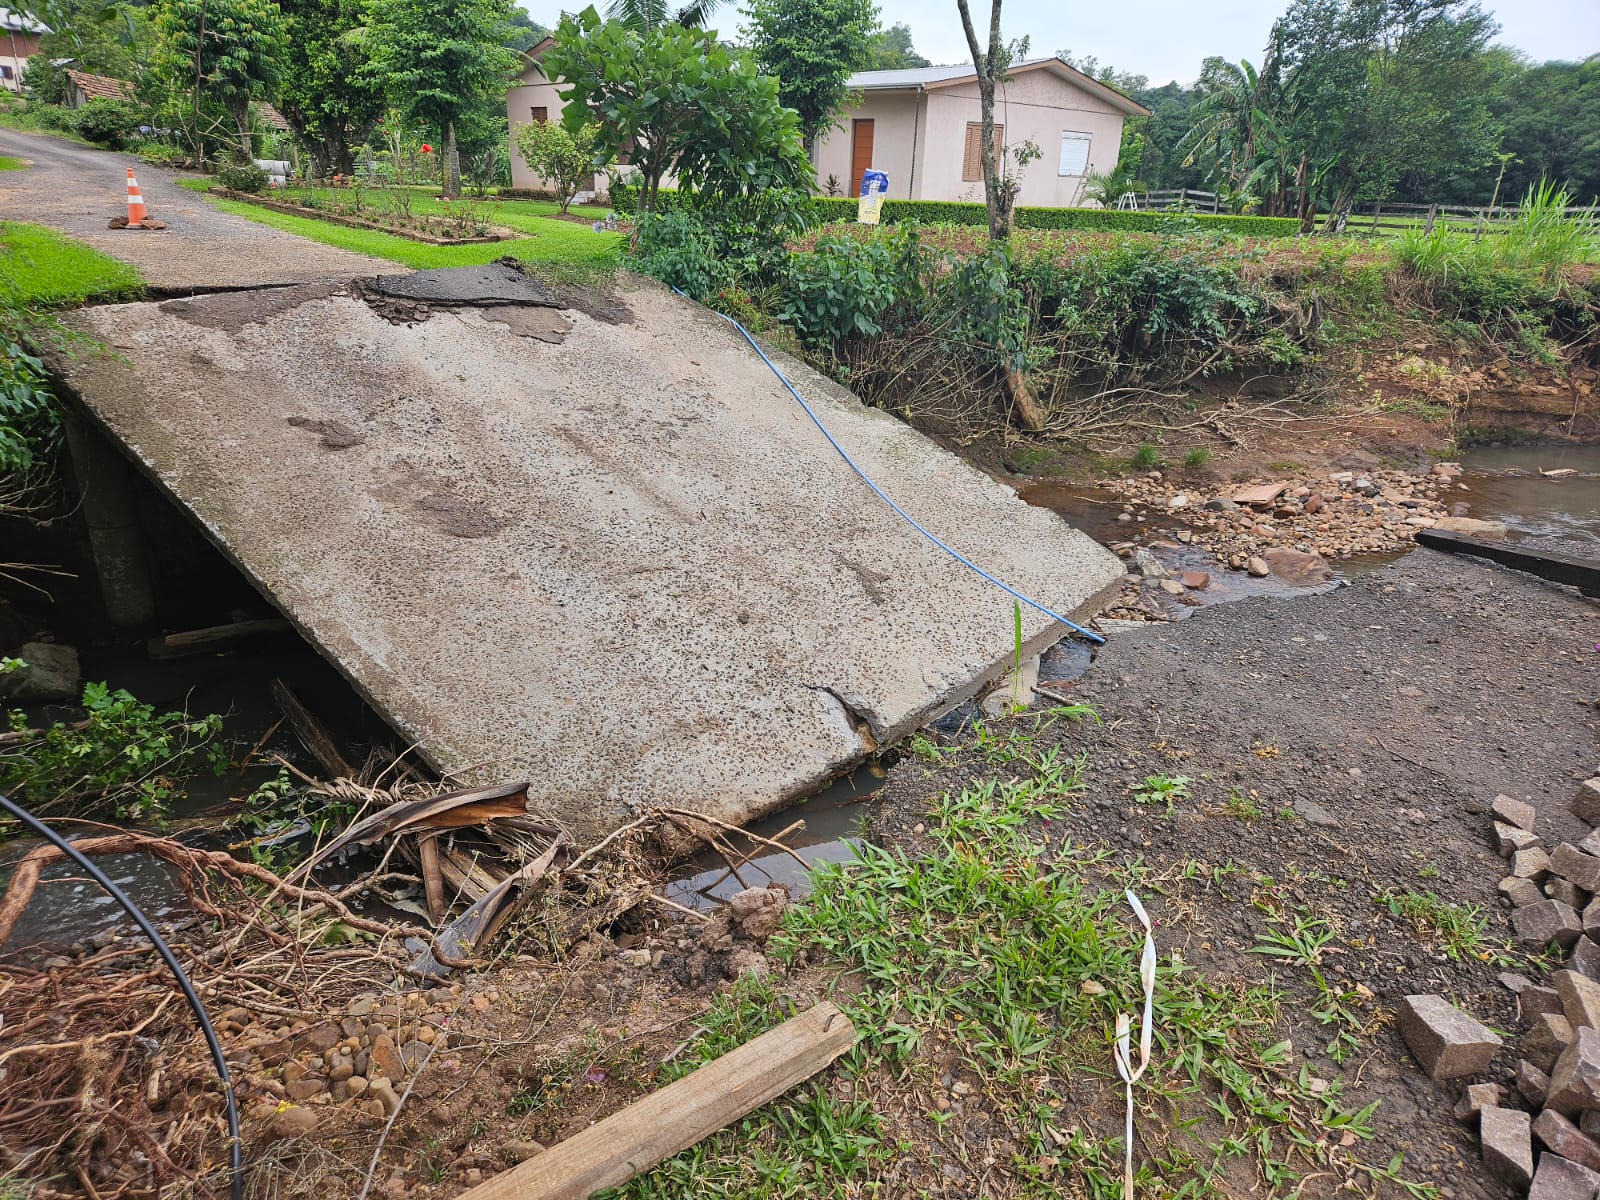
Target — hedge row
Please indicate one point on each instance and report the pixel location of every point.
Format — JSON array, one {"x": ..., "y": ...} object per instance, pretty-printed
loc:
[{"x": 946, "y": 212}]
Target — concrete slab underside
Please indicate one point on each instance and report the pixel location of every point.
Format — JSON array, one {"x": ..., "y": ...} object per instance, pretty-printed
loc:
[{"x": 626, "y": 566}]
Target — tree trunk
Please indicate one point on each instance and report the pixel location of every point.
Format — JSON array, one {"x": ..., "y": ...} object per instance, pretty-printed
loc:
[
  {"x": 1302, "y": 180},
  {"x": 452, "y": 163},
  {"x": 996, "y": 196},
  {"x": 241, "y": 118}
]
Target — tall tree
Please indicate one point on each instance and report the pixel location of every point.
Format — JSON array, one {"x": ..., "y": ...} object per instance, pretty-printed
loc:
[
  {"x": 641, "y": 16},
  {"x": 991, "y": 64},
  {"x": 891, "y": 50},
  {"x": 1388, "y": 96},
  {"x": 526, "y": 33},
  {"x": 438, "y": 62},
  {"x": 226, "y": 50},
  {"x": 1233, "y": 133},
  {"x": 1551, "y": 114},
  {"x": 331, "y": 101},
  {"x": 812, "y": 47},
  {"x": 676, "y": 99}
]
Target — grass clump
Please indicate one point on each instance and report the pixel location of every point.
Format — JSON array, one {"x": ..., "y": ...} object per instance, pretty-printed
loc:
[
  {"x": 1198, "y": 457},
  {"x": 8, "y": 163},
  {"x": 1145, "y": 457},
  {"x": 40, "y": 268},
  {"x": 1459, "y": 929}
]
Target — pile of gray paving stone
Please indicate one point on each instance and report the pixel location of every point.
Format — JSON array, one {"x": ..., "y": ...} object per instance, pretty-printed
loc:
[{"x": 1555, "y": 898}]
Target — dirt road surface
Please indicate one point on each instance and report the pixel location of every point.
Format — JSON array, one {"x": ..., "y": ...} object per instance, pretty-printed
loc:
[
  {"x": 79, "y": 190},
  {"x": 1340, "y": 752}
]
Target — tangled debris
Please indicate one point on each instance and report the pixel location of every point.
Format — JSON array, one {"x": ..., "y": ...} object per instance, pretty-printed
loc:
[{"x": 106, "y": 1089}]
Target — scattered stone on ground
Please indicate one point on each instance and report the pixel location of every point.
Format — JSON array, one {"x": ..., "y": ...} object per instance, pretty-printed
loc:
[
  {"x": 1331, "y": 516},
  {"x": 1448, "y": 1043}
]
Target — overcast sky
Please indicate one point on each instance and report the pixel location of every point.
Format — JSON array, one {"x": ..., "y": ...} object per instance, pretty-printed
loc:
[{"x": 1166, "y": 39}]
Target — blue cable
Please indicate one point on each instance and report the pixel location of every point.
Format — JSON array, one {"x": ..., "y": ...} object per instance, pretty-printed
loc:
[{"x": 867, "y": 479}]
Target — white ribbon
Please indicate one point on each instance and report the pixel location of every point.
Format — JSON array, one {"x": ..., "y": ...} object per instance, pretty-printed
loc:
[{"x": 1124, "y": 1061}]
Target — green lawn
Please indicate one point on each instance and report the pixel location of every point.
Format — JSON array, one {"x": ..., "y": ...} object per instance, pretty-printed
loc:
[
  {"x": 7, "y": 163},
  {"x": 543, "y": 240},
  {"x": 41, "y": 268}
]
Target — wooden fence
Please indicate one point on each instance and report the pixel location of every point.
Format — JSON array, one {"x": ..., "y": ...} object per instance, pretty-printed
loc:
[{"x": 1188, "y": 199}]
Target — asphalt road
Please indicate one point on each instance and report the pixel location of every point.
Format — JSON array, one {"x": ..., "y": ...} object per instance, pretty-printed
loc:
[{"x": 79, "y": 190}]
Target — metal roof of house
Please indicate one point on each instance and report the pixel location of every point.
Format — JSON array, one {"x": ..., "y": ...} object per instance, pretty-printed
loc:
[
  {"x": 100, "y": 87},
  {"x": 17, "y": 23},
  {"x": 871, "y": 81}
]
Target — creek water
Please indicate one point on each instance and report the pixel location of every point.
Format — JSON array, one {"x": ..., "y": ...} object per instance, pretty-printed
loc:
[{"x": 1504, "y": 483}]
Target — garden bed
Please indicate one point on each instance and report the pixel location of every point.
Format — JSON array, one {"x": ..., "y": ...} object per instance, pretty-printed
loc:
[{"x": 295, "y": 208}]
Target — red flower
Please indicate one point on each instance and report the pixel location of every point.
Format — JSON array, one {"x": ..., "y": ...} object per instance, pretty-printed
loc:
[{"x": 427, "y": 149}]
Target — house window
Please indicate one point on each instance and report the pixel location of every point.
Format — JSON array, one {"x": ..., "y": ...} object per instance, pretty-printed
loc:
[
  {"x": 972, "y": 153},
  {"x": 5, "y": 72},
  {"x": 541, "y": 114},
  {"x": 1074, "y": 153}
]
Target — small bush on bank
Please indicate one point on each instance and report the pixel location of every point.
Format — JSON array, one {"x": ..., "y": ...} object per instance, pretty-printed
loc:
[
  {"x": 109, "y": 123},
  {"x": 242, "y": 177}
]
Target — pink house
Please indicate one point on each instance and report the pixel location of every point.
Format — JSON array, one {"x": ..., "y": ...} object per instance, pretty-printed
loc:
[
  {"x": 534, "y": 97},
  {"x": 922, "y": 126}
]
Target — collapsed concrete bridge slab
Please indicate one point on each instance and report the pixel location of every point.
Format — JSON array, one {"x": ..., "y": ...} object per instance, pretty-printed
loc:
[{"x": 599, "y": 546}]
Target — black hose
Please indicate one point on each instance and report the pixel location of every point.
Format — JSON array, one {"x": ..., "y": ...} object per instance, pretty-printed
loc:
[{"x": 117, "y": 894}]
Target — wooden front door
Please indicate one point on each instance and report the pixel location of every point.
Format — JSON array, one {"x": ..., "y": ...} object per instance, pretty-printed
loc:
[{"x": 860, "y": 151}]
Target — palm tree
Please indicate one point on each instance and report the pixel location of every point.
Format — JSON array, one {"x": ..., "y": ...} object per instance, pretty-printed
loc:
[
  {"x": 1232, "y": 125},
  {"x": 641, "y": 16}
]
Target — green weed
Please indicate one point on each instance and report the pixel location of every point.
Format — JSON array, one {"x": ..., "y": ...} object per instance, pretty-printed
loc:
[
  {"x": 1163, "y": 789},
  {"x": 1299, "y": 939},
  {"x": 1461, "y": 929},
  {"x": 1145, "y": 457},
  {"x": 1198, "y": 457},
  {"x": 1241, "y": 805},
  {"x": 124, "y": 757},
  {"x": 8, "y": 163}
]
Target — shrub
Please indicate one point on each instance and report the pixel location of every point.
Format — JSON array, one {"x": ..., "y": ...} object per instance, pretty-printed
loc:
[
  {"x": 162, "y": 154},
  {"x": 679, "y": 250},
  {"x": 242, "y": 177},
  {"x": 847, "y": 288},
  {"x": 705, "y": 244},
  {"x": 124, "y": 756},
  {"x": 107, "y": 122},
  {"x": 566, "y": 159}
]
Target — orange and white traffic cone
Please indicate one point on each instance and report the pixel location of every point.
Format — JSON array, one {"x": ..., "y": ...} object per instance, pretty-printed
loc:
[{"x": 136, "y": 209}]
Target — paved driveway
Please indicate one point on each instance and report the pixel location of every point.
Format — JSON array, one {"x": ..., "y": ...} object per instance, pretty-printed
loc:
[{"x": 78, "y": 190}]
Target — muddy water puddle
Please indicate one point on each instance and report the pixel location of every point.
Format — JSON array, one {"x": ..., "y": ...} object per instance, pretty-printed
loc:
[
  {"x": 1538, "y": 491},
  {"x": 1508, "y": 483}
]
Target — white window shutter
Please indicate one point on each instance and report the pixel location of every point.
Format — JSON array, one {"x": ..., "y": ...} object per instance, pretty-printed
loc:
[{"x": 1074, "y": 153}]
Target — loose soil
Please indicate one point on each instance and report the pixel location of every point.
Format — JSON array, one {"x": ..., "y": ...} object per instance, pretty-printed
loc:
[{"x": 1392, "y": 711}]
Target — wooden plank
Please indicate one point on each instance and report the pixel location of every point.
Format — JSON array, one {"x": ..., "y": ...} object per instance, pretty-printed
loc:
[
  {"x": 215, "y": 637},
  {"x": 1581, "y": 573},
  {"x": 632, "y": 1141},
  {"x": 310, "y": 732},
  {"x": 432, "y": 876}
]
